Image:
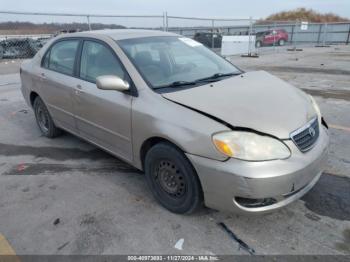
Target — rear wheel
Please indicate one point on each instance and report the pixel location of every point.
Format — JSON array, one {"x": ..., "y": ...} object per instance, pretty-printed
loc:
[
  {"x": 258, "y": 44},
  {"x": 44, "y": 120},
  {"x": 172, "y": 179},
  {"x": 281, "y": 42}
]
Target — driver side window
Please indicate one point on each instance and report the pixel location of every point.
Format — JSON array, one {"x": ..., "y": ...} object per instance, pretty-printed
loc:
[{"x": 98, "y": 60}]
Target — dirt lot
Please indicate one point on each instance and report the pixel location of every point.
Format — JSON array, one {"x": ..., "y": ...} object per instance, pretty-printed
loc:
[{"x": 64, "y": 196}]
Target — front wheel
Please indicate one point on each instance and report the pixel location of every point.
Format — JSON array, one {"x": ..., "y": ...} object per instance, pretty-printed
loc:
[
  {"x": 258, "y": 44},
  {"x": 44, "y": 120},
  {"x": 281, "y": 42},
  {"x": 172, "y": 179}
]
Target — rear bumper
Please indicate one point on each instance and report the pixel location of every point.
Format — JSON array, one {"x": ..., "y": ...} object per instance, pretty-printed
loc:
[{"x": 226, "y": 183}]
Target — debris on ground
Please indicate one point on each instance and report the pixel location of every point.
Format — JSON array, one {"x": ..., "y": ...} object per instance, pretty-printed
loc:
[
  {"x": 63, "y": 246},
  {"x": 179, "y": 244},
  {"x": 57, "y": 221}
]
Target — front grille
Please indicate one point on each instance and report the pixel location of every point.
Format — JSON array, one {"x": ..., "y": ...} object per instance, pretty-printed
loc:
[{"x": 306, "y": 136}]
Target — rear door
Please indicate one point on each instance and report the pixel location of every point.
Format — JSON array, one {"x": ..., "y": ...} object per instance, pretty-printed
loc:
[
  {"x": 57, "y": 81},
  {"x": 270, "y": 37},
  {"x": 102, "y": 116},
  {"x": 267, "y": 38}
]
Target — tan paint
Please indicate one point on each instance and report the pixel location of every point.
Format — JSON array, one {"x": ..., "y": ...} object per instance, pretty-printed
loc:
[{"x": 5, "y": 247}]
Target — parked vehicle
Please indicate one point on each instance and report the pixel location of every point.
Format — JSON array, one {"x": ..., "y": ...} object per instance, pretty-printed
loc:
[
  {"x": 67, "y": 31},
  {"x": 40, "y": 42},
  {"x": 206, "y": 38},
  {"x": 200, "y": 128},
  {"x": 271, "y": 37}
]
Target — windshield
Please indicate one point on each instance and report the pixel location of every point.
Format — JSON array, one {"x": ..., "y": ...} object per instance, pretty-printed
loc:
[{"x": 165, "y": 60}]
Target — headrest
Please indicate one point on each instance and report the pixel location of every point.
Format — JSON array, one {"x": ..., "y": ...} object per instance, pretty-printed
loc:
[{"x": 143, "y": 58}]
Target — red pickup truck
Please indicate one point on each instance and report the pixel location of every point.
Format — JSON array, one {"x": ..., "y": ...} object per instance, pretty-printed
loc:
[{"x": 271, "y": 37}]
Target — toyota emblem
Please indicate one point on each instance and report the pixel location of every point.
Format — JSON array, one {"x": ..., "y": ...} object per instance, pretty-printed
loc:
[{"x": 312, "y": 132}]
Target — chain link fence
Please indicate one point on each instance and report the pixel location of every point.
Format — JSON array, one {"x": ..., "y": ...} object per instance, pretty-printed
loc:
[{"x": 23, "y": 34}]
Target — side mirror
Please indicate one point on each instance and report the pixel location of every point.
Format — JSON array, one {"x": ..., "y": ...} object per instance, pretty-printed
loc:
[{"x": 110, "y": 82}]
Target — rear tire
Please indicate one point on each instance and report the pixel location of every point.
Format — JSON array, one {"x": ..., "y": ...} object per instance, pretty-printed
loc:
[
  {"x": 258, "y": 44},
  {"x": 44, "y": 120},
  {"x": 172, "y": 179}
]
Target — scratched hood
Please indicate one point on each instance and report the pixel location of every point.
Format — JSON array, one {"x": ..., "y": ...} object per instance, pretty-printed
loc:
[{"x": 256, "y": 100}]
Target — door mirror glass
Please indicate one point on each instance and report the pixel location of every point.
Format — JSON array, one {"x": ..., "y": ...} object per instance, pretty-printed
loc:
[{"x": 110, "y": 82}]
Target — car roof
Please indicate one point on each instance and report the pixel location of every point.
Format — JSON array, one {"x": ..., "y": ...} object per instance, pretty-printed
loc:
[{"x": 119, "y": 34}]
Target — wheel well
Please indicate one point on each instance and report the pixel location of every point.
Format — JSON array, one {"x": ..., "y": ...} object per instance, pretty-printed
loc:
[
  {"x": 32, "y": 97},
  {"x": 149, "y": 143}
]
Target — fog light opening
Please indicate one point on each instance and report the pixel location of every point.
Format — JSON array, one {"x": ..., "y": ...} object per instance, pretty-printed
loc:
[{"x": 254, "y": 202}]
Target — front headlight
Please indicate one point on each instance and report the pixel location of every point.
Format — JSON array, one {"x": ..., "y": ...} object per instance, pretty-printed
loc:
[{"x": 250, "y": 146}]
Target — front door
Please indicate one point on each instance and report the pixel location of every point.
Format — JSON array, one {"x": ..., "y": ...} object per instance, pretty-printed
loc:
[{"x": 102, "y": 116}]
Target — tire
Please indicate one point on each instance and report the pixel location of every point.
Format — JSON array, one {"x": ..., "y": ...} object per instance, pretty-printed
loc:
[
  {"x": 281, "y": 42},
  {"x": 258, "y": 44},
  {"x": 172, "y": 179},
  {"x": 44, "y": 120}
]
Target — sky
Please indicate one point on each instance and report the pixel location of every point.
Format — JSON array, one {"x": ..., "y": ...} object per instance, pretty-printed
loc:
[{"x": 199, "y": 8}]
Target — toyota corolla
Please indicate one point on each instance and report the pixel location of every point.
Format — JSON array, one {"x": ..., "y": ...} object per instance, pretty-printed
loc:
[{"x": 203, "y": 131}]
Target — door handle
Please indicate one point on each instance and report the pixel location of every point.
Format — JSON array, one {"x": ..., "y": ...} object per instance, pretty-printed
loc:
[
  {"x": 78, "y": 90},
  {"x": 42, "y": 76}
]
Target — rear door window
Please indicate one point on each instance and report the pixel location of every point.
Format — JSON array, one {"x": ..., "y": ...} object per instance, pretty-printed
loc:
[{"x": 61, "y": 57}]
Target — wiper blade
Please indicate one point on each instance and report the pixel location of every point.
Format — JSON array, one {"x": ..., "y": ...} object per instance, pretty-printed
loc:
[
  {"x": 216, "y": 76},
  {"x": 176, "y": 84},
  {"x": 195, "y": 82}
]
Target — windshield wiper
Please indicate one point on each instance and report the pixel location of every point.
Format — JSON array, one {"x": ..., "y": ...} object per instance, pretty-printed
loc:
[
  {"x": 217, "y": 76},
  {"x": 176, "y": 84},
  {"x": 195, "y": 82}
]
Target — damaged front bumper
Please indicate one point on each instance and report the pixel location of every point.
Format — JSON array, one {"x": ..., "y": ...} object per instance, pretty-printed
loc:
[{"x": 255, "y": 187}]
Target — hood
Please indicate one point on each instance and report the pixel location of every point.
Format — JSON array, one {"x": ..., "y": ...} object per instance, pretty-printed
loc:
[{"x": 256, "y": 100}]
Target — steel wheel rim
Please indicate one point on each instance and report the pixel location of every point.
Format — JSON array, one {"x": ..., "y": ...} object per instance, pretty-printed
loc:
[
  {"x": 43, "y": 119},
  {"x": 170, "y": 179}
]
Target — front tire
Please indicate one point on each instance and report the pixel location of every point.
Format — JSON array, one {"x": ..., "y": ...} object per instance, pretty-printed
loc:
[
  {"x": 281, "y": 42},
  {"x": 172, "y": 179},
  {"x": 44, "y": 120},
  {"x": 258, "y": 44}
]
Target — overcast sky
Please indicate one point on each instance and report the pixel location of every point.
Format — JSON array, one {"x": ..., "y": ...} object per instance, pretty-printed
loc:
[{"x": 199, "y": 8}]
